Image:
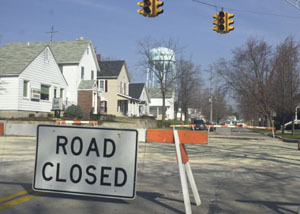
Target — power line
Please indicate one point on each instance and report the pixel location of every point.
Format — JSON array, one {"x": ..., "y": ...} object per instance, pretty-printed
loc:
[{"x": 248, "y": 11}]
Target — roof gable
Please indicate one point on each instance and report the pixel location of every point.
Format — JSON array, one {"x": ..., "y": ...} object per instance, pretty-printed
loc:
[
  {"x": 110, "y": 69},
  {"x": 13, "y": 60},
  {"x": 156, "y": 93},
  {"x": 136, "y": 89},
  {"x": 65, "y": 52}
]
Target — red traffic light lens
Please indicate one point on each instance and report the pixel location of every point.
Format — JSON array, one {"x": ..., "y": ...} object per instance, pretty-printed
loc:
[{"x": 221, "y": 14}]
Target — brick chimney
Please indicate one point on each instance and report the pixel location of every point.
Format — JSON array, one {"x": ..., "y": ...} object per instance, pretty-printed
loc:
[{"x": 98, "y": 57}]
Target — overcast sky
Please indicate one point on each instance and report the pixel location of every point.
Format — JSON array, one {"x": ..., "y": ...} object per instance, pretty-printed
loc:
[{"x": 114, "y": 26}]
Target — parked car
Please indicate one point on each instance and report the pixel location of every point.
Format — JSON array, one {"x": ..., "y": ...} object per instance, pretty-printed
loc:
[{"x": 199, "y": 125}]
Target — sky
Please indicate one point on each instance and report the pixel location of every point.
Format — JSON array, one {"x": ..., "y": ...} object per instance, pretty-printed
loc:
[{"x": 115, "y": 27}]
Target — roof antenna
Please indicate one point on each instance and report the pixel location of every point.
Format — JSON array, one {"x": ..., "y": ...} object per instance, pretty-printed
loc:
[{"x": 52, "y": 32}]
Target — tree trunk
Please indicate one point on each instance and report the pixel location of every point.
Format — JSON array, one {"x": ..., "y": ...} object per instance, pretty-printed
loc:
[
  {"x": 283, "y": 128},
  {"x": 163, "y": 106}
]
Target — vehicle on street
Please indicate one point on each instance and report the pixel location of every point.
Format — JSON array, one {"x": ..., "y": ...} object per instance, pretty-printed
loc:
[{"x": 199, "y": 125}]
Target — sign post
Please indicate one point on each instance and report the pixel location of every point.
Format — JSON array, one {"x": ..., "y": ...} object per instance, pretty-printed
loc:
[{"x": 86, "y": 161}]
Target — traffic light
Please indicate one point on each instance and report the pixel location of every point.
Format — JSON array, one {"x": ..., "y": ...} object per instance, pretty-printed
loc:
[
  {"x": 156, "y": 6},
  {"x": 223, "y": 22},
  {"x": 147, "y": 7},
  {"x": 219, "y": 22},
  {"x": 229, "y": 22}
]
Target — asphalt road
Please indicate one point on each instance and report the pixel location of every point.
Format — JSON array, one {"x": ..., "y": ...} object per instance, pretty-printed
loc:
[{"x": 232, "y": 176}]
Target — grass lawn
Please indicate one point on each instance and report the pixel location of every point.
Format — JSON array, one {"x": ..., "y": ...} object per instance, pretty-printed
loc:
[{"x": 287, "y": 134}]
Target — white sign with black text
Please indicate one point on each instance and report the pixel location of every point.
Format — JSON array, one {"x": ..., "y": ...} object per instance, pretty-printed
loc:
[{"x": 86, "y": 161}]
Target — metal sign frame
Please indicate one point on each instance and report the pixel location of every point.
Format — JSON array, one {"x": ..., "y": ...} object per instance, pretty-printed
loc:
[{"x": 132, "y": 178}]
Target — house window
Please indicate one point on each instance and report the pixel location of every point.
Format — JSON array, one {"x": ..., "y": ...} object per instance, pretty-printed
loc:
[
  {"x": 55, "y": 92},
  {"x": 46, "y": 55},
  {"x": 26, "y": 88},
  {"x": 102, "y": 85},
  {"x": 92, "y": 75},
  {"x": 103, "y": 106},
  {"x": 122, "y": 88},
  {"x": 61, "y": 93},
  {"x": 45, "y": 89},
  {"x": 82, "y": 72}
]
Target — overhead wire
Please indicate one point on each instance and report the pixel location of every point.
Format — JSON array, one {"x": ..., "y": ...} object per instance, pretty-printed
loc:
[{"x": 247, "y": 11}]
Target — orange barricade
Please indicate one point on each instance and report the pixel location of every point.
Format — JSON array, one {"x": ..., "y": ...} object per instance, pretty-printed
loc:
[{"x": 179, "y": 138}]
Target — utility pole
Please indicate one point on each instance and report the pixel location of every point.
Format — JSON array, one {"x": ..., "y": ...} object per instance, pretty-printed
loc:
[
  {"x": 52, "y": 33},
  {"x": 210, "y": 96}
]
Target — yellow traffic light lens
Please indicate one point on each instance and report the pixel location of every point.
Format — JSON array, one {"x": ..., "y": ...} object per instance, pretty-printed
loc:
[{"x": 147, "y": 2}]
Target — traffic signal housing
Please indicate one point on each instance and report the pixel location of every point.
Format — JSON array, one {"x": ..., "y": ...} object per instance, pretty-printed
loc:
[
  {"x": 219, "y": 22},
  {"x": 229, "y": 22},
  {"x": 150, "y": 8},
  {"x": 146, "y": 7},
  {"x": 223, "y": 22},
  {"x": 157, "y": 10}
]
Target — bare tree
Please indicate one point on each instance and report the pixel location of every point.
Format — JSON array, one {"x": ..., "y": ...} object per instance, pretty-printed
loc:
[
  {"x": 161, "y": 64},
  {"x": 286, "y": 80},
  {"x": 220, "y": 106},
  {"x": 188, "y": 84},
  {"x": 249, "y": 74}
]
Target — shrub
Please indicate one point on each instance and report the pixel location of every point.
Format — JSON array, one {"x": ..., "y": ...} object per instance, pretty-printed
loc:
[
  {"x": 74, "y": 112},
  {"x": 31, "y": 115},
  {"x": 95, "y": 117}
]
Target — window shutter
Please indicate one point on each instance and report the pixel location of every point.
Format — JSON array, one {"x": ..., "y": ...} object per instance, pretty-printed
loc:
[{"x": 106, "y": 86}]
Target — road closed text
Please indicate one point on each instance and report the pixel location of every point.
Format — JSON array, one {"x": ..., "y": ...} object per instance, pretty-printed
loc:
[
  {"x": 90, "y": 161},
  {"x": 77, "y": 173}
]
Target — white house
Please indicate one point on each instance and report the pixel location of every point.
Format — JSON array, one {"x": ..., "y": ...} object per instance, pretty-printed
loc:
[
  {"x": 29, "y": 80},
  {"x": 77, "y": 62},
  {"x": 157, "y": 103},
  {"x": 139, "y": 92}
]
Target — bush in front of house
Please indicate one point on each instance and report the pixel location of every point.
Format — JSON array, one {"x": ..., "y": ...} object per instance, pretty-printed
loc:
[{"x": 74, "y": 112}]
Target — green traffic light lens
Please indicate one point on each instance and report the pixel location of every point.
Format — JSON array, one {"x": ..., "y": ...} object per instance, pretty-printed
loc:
[
  {"x": 147, "y": 10},
  {"x": 221, "y": 27}
]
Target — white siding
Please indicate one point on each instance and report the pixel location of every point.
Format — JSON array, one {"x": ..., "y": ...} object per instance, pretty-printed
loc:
[
  {"x": 72, "y": 76},
  {"x": 9, "y": 93},
  {"x": 45, "y": 72},
  {"x": 89, "y": 64},
  {"x": 72, "y": 73}
]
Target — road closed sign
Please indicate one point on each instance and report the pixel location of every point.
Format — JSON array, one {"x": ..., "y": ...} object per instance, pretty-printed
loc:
[{"x": 86, "y": 161}]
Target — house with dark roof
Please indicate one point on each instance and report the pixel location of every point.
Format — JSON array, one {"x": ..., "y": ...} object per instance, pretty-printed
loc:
[
  {"x": 78, "y": 62},
  {"x": 113, "y": 82},
  {"x": 139, "y": 92},
  {"x": 30, "y": 79},
  {"x": 157, "y": 103}
]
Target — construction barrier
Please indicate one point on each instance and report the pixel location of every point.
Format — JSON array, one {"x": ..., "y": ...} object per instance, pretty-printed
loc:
[
  {"x": 79, "y": 122},
  {"x": 1, "y": 129},
  {"x": 180, "y": 138},
  {"x": 246, "y": 127}
]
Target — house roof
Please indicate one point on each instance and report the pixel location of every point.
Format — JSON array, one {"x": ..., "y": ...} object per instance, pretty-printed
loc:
[
  {"x": 156, "y": 93},
  {"x": 14, "y": 59},
  {"x": 86, "y": 84},
  {"x": 65, "y": 52},
  {"x": 110, "y": 69},
  {"x": 136, "y": 89}
]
